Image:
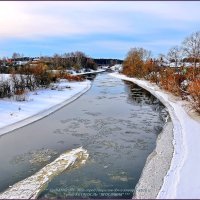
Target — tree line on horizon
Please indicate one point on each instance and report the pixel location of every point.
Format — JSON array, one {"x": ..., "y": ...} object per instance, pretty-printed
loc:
[
  {"x": 39, "y": 72},
  {"x": 67, "y": 61}
]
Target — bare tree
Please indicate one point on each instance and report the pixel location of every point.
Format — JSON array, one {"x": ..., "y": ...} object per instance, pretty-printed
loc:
[
  {"x": 56, "y": 60},
  {"x": 5, "y": 89},
  {"x": 174, "y": 55},
  {"x": 15, "y": 55},
  {"x": 146, "y": 54},
  {"x": 161, "y": 60},
  {"x": 191, "y": 47},
  {"x": 80, "y": 59}
]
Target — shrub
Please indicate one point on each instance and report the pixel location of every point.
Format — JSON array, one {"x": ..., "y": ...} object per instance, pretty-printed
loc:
[
  {"x": 5, "y": 89},
  {"x": 70, "y": 77},
  {"x": 194, "y": 90}
]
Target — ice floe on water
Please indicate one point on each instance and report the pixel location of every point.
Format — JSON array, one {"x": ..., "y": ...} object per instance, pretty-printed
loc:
[
  {"x": 31, "y": 187},
  {"x": 35, "y": 157}
]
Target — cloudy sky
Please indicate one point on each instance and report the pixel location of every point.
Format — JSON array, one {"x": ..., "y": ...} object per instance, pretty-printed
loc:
[{"x": 100, "y": 29}]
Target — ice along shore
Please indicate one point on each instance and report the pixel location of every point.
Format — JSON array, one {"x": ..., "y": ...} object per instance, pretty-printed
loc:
[{"x": 175, "y": 162}]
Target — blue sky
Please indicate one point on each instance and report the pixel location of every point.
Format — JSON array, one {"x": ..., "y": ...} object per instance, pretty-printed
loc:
[{"x": 100, "y": 29}]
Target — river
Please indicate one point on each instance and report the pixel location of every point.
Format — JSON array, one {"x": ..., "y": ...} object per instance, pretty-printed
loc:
[{"x": 116, "y": 121}]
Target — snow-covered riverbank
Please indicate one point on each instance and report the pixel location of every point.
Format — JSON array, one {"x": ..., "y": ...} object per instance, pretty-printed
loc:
[
  {"x": 182, "y": 178},
  {"x": 40, "y": 103},
  {"x": 90, "y": 72}
]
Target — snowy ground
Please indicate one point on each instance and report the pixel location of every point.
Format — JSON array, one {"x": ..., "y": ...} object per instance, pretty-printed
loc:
[
  {"x": 81, "y": 72},
  {"x": 14, "y": 114},
  {"x": 91, "y": 72},
  {"x": 183, "y": 178},
  {"x": 4, "y": 77}
]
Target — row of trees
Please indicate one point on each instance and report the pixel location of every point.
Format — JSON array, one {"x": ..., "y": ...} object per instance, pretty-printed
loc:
[
  {"x": 38, "y": 73},
  {"x": 75, "y": 60},
  {"x": 189, "y": 51},
  {"x": 180, "y": 80},
  {"x": 25, "y": 79}
]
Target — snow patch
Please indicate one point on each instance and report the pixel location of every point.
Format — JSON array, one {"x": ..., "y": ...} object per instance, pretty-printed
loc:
[{"x": 90, "y": 72}]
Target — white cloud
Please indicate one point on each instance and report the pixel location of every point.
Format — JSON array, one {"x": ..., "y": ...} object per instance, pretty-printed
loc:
[
  {"x": 98, "y": 26},
  {"x": 36, "y": 19},
  {"x": 41, "y": 19}
]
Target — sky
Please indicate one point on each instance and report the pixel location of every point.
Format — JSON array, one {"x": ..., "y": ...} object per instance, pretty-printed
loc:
[{"x": 100, "y": 29}]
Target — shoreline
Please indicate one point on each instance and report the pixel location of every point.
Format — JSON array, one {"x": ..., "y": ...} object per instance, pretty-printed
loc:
[
  {"x": 159, "y": 157},
  {"x": 168, "y": 152},
  {"x": 43, "y": 113}
]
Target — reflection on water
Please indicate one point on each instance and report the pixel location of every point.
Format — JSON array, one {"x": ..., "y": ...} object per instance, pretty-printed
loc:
[{"x": 116, "y": 121}]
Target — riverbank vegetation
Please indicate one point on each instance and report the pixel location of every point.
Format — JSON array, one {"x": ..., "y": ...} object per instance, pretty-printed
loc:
[
  {"x": 27, "y": 74},
  {"x": 21, "y": 80},
  {"x": 177, "y": 72},
  {"x": 68, "y": 61}
]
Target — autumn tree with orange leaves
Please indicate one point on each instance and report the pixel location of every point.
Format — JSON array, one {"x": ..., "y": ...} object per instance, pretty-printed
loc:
[
  {"x": 181, "y": 80},
  {"x": 134, "y": 64}
]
